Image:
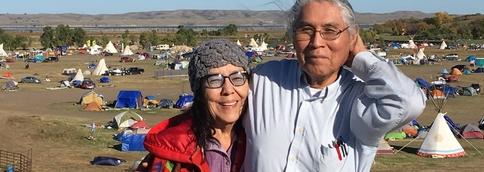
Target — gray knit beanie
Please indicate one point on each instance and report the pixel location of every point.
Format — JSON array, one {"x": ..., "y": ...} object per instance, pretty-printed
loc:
[{"x": 213, "y": 54}]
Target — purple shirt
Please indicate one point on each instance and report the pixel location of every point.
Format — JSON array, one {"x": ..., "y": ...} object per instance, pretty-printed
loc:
[{"x": 218, "y": 160}]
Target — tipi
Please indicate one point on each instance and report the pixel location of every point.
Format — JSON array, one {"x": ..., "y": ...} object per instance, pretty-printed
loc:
[
  {"x": 253, "y": 44},
  {"x": 79, "y": 76},
  {"x": 2, "y": 51},
  {"x": 101, "y": 68},
  {"x": 238, "y": 43},
  {"x": 127, "y": 51},
  {"x": 443, "y": 45},
  {"x": 440, "y": 142},
  {"x": 110, "y": 48}
]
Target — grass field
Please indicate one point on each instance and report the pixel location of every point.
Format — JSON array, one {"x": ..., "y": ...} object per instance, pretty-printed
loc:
[{"x": 51, "y": 124}]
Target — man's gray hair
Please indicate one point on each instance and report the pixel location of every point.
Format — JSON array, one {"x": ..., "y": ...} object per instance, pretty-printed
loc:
[
  {"x": 346, "y": 11},
  {"x": 213, "y": 54}
]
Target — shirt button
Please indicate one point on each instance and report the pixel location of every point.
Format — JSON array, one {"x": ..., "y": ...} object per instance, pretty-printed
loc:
[
  {"x": 301, "y": 130},
  {"x": 227, "y": 162}
]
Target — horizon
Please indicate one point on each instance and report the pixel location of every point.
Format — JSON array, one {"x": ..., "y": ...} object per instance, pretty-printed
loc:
[{"x": 461, "y": 7}]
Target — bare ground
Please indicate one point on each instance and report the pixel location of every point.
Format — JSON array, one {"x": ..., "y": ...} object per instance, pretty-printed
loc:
[{"x": 50, "y": 123}]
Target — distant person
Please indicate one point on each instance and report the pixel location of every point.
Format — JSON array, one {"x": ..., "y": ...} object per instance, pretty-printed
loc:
[
  {"x": 314, "y": 114},
  {"x": 209, "y": 136},
  {"x": 27, "y": 66}
]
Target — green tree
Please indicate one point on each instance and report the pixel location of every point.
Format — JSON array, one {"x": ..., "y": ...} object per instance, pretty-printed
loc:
[
  {"x": 231, "y": 29},
  {"x": 47, "y": 37},
  {"x": 186, "y": 36},
  {"x": 125, "y": 37},
  {"x": 79, "y": 36},
  {"x": 63, "y": 35},
  {"x": 143, "y": 39}
]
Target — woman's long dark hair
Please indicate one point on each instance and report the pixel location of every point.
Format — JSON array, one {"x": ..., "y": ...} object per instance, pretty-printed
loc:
[{"x": 203, "y": 121}]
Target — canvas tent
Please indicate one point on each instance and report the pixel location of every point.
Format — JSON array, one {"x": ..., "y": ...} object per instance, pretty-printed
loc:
[
  {"x": 10, "y": 85},
  {"x": 110, "y": 48},
  {"x": 129, "y": 99},
  {"x": 91, "y": 101},
  {"x": 471, "y": 131},
  {"x": 443, "y": 45},
  {"x": 127, "y": 51},
  {"x": 238, "y": 43},
  {"x": 94, "y": 50},
  {"x": 79, "y": 76},
  {"x": 101, "y": 68},
  {"x": 2, "y": 51},
  {"x": 420, "y": 54},
  {"x": 252, "y": 43},
  {"x": 440, "y": 142},
  {"x": 126, "y": 119}
]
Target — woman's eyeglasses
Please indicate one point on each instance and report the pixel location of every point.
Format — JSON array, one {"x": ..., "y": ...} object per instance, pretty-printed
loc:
[{"x": 217, "y": 80}]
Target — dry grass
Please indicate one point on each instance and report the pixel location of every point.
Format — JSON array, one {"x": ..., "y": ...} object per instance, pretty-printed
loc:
[{"x": 50, "y": 122}]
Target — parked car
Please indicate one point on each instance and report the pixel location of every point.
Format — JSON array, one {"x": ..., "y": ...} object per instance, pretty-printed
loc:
[
  {"x": 134, "y": 71},
  {"x": 30, "y": 79},
  {"x": 452, "y": 57},
  {"x": 116, "y": 71},
  {"x": 51, "y": 59},
  {"x": 87, "y": 84},
  {"x": 126, "y": 59}
]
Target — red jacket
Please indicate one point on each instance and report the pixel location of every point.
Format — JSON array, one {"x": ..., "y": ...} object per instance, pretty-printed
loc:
[{"x": 173, "y": 145}]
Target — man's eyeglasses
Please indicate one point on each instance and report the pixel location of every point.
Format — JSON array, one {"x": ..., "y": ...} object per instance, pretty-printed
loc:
[
  {"x": 217, "y": 80},
  {"x": 307, "y": 33}
]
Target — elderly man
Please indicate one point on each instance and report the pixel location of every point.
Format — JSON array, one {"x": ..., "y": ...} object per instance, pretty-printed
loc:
[{"x": 313, "y": 114}]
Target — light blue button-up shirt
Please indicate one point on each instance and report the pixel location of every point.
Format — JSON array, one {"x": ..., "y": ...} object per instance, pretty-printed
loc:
[{"x": 292, "y": 128}]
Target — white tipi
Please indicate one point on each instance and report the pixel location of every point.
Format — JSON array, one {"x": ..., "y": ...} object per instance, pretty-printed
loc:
[
  {"x": 127, "y": 51},
  {"x": 420, "y": 54},
  {"x": 443, "y": 45},
  {"x": 79, "y": 76},
  {"x": 253, "y": 43},
  {"x": 110, "y": 48},
  {"x": 2, "y": 51},
  {"x": 238, "y": 43},
  {"x": 101, "y": 68},
  {"x": 440, "y": 142},
  {"x": 411, "y": 44}
]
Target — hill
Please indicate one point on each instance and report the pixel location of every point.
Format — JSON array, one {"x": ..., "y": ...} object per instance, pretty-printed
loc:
[{"x": 182, "y": 17}]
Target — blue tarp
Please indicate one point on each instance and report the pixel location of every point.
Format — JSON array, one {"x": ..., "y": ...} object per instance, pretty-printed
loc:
[
  {"x": 131, "y": 142},
  {"x": 104, "y": 79},
  {"x": 129, "y": 99},
  {"x": 423, "y": 83},
  {"x": 184, "y": 100}
]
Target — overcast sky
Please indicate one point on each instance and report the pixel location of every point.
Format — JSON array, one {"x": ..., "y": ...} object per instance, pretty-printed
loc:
[{"x": 124, "y": 6}]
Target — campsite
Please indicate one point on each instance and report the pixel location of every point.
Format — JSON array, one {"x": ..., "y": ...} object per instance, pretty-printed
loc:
[
  {"x": 80, "y": 91},
  {"x": 52, "y": 125}
]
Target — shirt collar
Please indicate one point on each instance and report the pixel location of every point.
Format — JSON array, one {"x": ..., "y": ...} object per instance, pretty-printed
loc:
[{"x": 329, "y": 91}]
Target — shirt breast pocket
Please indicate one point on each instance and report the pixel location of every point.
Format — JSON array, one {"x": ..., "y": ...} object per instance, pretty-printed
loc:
[{"x": 331, "y": 158}]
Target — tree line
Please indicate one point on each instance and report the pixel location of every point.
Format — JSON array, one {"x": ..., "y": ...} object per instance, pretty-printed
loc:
[
  {"x": 63, "y": 35},
  {"x": 12, "y": 42},
  {"x": 440, "y": 26}
]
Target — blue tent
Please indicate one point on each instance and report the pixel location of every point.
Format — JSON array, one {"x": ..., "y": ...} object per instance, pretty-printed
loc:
[
  {"x": 129, "y": 99},
  {"x": 39, "y": 58},
  {"x": 250, "y": 54},
  {"x": 104, "y": 79},
  {"x": 184, "y": 100},
  {"x": 471, "y": 58},
  {"x": 479, "y": 70},
  {"x": 423, "y": 83},
  {"x": 131, "y": 142}
]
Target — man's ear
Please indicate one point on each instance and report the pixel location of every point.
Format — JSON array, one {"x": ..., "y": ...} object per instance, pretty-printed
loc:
[{"x": 354, "y": 37}]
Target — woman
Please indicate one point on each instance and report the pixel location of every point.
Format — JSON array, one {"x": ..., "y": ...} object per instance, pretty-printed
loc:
[{"x": 209, "y": 136}]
